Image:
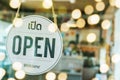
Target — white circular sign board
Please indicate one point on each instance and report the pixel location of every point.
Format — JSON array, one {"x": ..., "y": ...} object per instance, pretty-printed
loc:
[{"x": 32, "y": 44}]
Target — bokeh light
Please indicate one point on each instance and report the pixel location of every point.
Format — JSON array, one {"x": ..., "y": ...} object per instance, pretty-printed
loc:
[
  {"x": 80, "y": 23},
  {"x": 112, "y": 2},
  {"x": 11, "y": 79},
  {"x": 2, "y": 56},
  {"x": 71, "y": 23},
  {"x": 91, "y": 37},
  {"x": 64, "y": 27},
  {"x": 52, "y": 27},
  {"x": 14, "y": 3},
  {"x": 106, "y": 24},
  {"x": 20, "y": 74},
  {"x": 17, "y": 66},
  {"x": 50, "y": 76},
  {"x": 104, "y": 68},
  {"x": 76, "y": 13},
  {"x": 100, "y": 6},
  {"x": 72, "y": 1},
  {"x": 93, "y": 19},
  {"x": 2, "y": 73},
  {"x": 115, "y": 58},
  {"x": 98, "y": 0},
  {"x": 62, "y": 76},
  {"x": 117, "y": 3},
  {"x": 47, "y": 4},
  {"x": 88, "y": 9}
]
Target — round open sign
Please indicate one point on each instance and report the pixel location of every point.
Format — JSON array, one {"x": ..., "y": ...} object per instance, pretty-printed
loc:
[{"x": 32, "y": 44}]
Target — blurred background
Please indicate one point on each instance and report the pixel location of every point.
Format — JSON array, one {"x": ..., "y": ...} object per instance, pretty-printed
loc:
[{"x": 90, "y": 31}]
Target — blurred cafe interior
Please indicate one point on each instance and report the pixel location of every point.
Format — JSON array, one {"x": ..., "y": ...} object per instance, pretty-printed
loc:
[{"x": 90, "y": 33}]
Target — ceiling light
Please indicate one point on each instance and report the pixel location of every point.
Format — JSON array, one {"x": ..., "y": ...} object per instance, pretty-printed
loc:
[
  {"x": 52, "y": 27},
  {"x": 106, "y": 24},
  {"x": 80, "y": 23},
  {"x": 89, "y": 9},
  {"x": 64, "y": 27},
  {"x": 93, "y": 19},
  {"x": 100, "y": 6},
  {"x": 104, "y": 68},
  {"x": 14, "y": 3},
  {"x": 20, "y": 74},
  {"x": 76, "y": 14},
  {"x": 117, "y": 3},
  {"x": 50, "y": 76},
  {"x": 47, "y": 4},
  {"x": 91, "y": 37}
]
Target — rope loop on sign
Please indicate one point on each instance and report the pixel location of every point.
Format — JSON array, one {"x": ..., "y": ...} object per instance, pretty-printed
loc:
[{"x": 53, "y": 12}]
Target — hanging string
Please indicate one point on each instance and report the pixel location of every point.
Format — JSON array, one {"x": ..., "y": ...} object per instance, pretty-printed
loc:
[
  {"x": 18, "y": 10},
  {"x": 53, "y": 12},
  {"x": 54, "y": 15}
]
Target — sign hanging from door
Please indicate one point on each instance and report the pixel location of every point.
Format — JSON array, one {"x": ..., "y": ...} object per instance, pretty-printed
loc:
[{"x": 32, "y": 44}]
